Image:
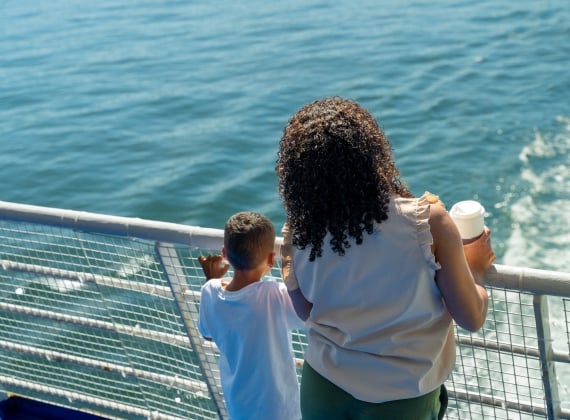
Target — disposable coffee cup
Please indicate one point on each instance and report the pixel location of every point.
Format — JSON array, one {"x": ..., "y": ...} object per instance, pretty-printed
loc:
[{"x": 469, "y": 216}]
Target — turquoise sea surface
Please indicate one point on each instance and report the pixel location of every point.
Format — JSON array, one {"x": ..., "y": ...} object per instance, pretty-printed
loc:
[{"x": 173, "y": 110}]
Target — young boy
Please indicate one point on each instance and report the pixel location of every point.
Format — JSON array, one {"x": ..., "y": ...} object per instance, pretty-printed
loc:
[{"x": 250, "y": 322}]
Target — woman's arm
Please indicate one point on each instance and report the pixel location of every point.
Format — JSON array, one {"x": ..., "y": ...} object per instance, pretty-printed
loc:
[
  {"x": 301, "y": 305},
  {"x": 461, "y": 277}
]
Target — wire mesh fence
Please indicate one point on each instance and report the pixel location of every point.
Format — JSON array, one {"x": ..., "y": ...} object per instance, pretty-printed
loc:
[{"x": 99, "y": 313}]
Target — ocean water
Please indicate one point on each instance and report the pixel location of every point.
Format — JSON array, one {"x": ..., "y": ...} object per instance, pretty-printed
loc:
[{"x": 173, "y": 110}]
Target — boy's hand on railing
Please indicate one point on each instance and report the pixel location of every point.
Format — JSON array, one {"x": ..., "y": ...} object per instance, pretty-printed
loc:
[{"x": 214, "y": 266}]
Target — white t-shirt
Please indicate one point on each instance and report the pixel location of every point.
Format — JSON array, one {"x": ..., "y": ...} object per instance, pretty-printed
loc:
[
  {"x": 379, "y": 328},
  {"x": 252, "y": 328}
]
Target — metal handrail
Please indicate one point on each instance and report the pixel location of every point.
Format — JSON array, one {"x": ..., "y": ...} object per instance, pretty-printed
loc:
[{"x": 535, "y": 282}]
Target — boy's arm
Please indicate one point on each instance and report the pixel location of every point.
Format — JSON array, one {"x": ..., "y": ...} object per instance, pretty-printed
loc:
[
  {"x": 301, "y": 305},
  {"x": 214, "y": 266}
]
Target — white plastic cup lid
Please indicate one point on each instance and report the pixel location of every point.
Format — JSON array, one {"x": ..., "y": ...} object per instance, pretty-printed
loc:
[{"x": 469, "y": 216}]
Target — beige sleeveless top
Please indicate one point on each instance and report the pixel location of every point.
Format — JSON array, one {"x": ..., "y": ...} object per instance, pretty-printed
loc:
[{"x": 379, "y": 328}]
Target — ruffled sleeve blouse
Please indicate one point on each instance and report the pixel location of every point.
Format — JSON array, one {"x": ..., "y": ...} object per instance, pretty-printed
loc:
[{"x": 379, "y": 328}]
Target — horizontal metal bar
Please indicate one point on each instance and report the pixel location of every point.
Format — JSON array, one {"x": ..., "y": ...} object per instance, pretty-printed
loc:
[
  {"x": 192, "y": 236},
  {"x": 56, "y": 356},
  {"x": 503, "y": 347},
  {"x": 492, "y": 401},
  {"x": 529, "y": 280},
  {"x": 556, "y": 356},
  {"x": 86, "y": 278},
  {"x": 114, "y": 225},
  {"x": 135, "y": 331},
  {"x": 76, "y": 396},
  {"x": 522, "y": 279},
  {"x": 505, "y": 404}
]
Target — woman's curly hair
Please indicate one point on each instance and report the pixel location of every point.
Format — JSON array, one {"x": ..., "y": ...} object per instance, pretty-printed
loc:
[{"x": 336, "y": 174}]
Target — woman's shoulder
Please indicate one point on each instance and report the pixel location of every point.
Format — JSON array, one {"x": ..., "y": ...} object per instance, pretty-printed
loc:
[
  {"x": 421, "y": 206},
  {"x": 410, "y": 206},
  {"x": 420, "y": 212}
]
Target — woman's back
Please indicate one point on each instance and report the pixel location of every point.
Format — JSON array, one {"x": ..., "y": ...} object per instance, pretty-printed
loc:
[{"x": 378, "y": 305}]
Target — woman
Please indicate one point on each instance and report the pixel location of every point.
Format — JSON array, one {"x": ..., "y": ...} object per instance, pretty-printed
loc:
[{"x": 378, "y": 274}]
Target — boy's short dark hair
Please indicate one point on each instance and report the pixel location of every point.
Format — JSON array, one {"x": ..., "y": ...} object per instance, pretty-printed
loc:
[{"x": 248, "y": 238}]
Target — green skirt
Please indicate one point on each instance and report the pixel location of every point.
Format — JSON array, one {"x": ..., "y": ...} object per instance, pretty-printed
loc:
[{"x": 323, "y": 400}]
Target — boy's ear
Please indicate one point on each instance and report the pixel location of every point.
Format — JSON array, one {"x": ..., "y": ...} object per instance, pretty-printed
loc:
[
  {"x": 271, "y": 259},
  {"x": 224, "y": 253}
]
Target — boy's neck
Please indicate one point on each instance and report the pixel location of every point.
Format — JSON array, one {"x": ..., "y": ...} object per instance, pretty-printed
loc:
[{"x": 243, "y": 278}]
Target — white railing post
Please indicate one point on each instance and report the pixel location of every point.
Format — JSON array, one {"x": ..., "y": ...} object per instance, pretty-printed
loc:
[
  {"x": 177, "y": 281},
  {"x": 550, "y": 383}
]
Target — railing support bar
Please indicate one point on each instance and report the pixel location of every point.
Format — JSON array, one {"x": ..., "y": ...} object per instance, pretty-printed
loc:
[
  {"x": 177, "y": 281},
  {"x": 540, "y": 303}
]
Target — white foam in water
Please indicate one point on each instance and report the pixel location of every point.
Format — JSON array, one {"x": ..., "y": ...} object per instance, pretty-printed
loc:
[{"x": 540, "y": 228}]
